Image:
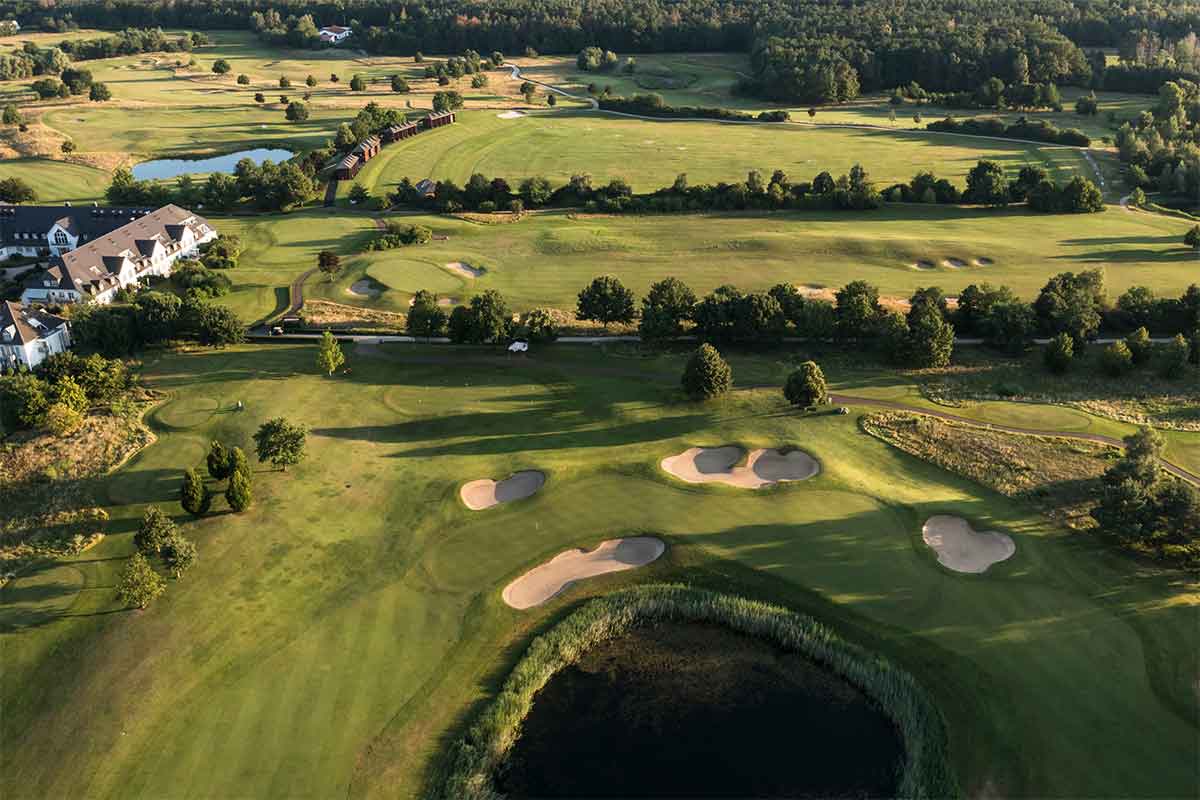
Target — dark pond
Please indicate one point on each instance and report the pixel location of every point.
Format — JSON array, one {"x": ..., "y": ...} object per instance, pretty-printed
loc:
[
  {"x": 174, "y": 167},
  {"x": 683, "y": 710}
]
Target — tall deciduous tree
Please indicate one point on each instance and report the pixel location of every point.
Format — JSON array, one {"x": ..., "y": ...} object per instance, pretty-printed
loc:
[
  {"x": 329, "y": 354},
  {"x": 280, "y": 442},
  {"x": 138, "y": 583},
  {"x": 606, "y": 300},
  {"x": 154, "y": 529},
  {"x": 806, "y": 386},
  {"x": 179, "y": 554}
]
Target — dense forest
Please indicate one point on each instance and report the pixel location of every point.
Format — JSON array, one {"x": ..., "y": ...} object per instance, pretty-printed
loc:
[{"x": 801, "y": 50}]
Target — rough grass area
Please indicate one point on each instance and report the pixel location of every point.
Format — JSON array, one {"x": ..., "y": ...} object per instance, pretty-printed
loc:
[
  {"x": 1058, "y": 476},
  {"x": 47, "y": 492},
  {"x": 325, "y": 314},
  {"x": 1142, "y": 397},
  {"x": 476, "y": 757}
]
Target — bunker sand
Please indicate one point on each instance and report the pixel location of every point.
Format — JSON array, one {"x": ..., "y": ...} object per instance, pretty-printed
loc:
[
  {"x": 613, "y": 555},
  {"x": 463, "y": 270},
  {"x": 961, "y": 548},
  {"x": 763, "y": 467},
  {"x": 485, "y": 493}
]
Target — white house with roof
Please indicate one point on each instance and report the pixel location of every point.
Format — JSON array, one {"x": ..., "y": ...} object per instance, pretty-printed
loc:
[
  {"x": 334, "y": 34},
  {"x": 29, "y": 336},
  {"x": 95, "y": 252}
]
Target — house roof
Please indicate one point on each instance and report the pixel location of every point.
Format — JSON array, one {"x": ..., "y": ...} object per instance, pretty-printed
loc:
[
  {"x": 94, "y": 267},
  {"x": 334, "y": 29},
  {"x": 426, "y": 186},
  {"x": 82, "y": 222},
  {"x": 19, "y": 325}
]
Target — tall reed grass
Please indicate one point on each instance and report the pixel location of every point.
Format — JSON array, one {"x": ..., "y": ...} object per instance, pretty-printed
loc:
[{"x": 475, "y": 758}]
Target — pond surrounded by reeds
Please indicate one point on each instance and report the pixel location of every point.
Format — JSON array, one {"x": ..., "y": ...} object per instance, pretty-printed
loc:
[{"x": 699, "y": 710}]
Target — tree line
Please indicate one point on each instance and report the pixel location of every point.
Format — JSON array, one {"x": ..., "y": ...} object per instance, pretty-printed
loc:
[{"x": 987, "y": 184}]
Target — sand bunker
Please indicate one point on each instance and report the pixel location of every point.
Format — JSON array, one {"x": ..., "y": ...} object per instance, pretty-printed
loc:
[
  {"x": 613, "y": 555},
  {"x": 963, "y": 549},
  {"x": 486, "y": 493},
  {"x": 465, "y": 270},
  {"x": 954, "y": 263},
  {"x": 984, "y": 261},
  {"x": 510, "y": 115},
  {"x": 762, "y": 468},
  {"x": 363, "y": 288},
  {"x": 922, "y": 263}
]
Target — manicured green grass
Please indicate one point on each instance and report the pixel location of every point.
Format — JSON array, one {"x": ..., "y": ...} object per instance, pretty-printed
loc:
[
  {"x": 546, "y": 259},
  {"x": 58, "y": 181},
  {"x": 332, "y": 639},
  {"x": 649, "y": 154}
]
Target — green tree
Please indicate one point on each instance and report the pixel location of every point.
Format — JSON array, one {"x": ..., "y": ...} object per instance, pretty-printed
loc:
[
  {"x": 706, "y": 375},
  {"x": 67, "y": 146},
  {"x": 447, "y": 101},
  {"x": 930, "y": 339},
  {"x": 857, "y": 310},
  {"x": 329, "y": 262},
  {"x": 1116, "y": 359},
  {"x": 490, "y": 317},
  {"x": 296, "y": 111},
  {"x": 243, "y": 79},
  {"x": 178, "y": 554},
  {"x": 606, "y": 300},
  {"x": 220, "y": 67},
  {"x": 425, "y": 318},
  {"x": 535, "y": 191},
  {"x": 310, "y": 81},
  {"x": 1059, "y": 353},
  {"x": 538, "y": 326},
  {"x": 329, "y": 354},
  {"x": 138, "y": 583},
  {"x": 237, "y": 462},
  {"x": 806, "y": 386},
  {"x": 239, "y": 494},
  {"x": 154, "y": 529},
  {"x": 99, "y": 92},
  {"x": 358, "y": 83},
  {"x": 987, "y": 185},
  {"x": 1140, "y": 346},
  {"x": 68, "y": 392},
  {"x": 399, "y": 84},
  {"x": 280, "y": 442},
  {"x": 259, "y": 97},
  {"x": 218, "y": 326},
  {"x": 217, "y": 461},
  {"x": 193, "y": 496},
  {"x": 11, "y": 115},
  {"x": 1192, "y": 237},
  {"x": 285, "y": 82},
  {"x": 665, "y": 308},
  {"x": 1173, "y": 358}
]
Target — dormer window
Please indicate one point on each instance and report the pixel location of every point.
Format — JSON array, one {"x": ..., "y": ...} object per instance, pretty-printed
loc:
[{"x": 60, "y": 238}]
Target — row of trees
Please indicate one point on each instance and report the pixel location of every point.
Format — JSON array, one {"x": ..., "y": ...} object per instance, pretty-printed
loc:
[
  {"x": 119, "y": 329},
  {"x": 1036, "y": 130},
  {"x": 987, "y": 184}
]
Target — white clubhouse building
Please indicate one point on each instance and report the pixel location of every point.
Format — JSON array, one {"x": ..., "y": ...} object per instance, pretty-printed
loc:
[
  {"x": 94, "y": 252},
  {"x": 29, "y": 335}
]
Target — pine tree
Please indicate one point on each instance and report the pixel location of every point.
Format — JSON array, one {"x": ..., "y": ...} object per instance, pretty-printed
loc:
[
  {"x": 218, "y": 461},
  {"x": 238, "y": 493},
  {"x": 237, "y": 462},
  {"x": 706, "y": 374},
  {"x": 194, "y": 496}
]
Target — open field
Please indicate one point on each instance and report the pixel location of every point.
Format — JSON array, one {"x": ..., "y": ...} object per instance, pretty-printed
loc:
[
  {"x": 334, "y": 636},
  {"x": 545, "y": 259},
  {"x": 58, "y": 181},
  {"x": 648, "y": 155}
]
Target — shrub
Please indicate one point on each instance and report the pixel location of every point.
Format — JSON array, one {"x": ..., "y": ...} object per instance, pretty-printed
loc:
[
  {"x": 706, "y": 374},
  {"x": 1173, "y": 358},
  {"x": 806, "y": 386},
  {"x": 425, "y": 318},
  {"x": 398, "y": 235},
  {"x": 474, "y": 760},
  {"x": 538, "y": 326},
  {"x": 62, "y": 420},
  {"x": 1140, "y": 346}
]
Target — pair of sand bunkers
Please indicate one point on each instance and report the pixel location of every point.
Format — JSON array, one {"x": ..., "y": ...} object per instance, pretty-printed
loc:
[{"x": 957, "y": 545}]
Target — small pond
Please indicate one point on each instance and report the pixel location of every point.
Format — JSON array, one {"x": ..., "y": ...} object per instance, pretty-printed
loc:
[
  {"x": 696, "y": 710},
  {"x": 174, "y": 167}
]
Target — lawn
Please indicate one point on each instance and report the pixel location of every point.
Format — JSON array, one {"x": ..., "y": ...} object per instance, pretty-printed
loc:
[
  {"x": 58, "y": 181},
  {"x": 545, "y": 259},
  {"x": 331, "y": 639},
  {"x": 648, "y": 155}
]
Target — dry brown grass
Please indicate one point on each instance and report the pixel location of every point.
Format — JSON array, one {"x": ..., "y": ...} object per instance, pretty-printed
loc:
[
  {"x": 1059, "y": 476},
  {"x": 323, "y": 313},
  {"x": 46, "y": 487}
]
